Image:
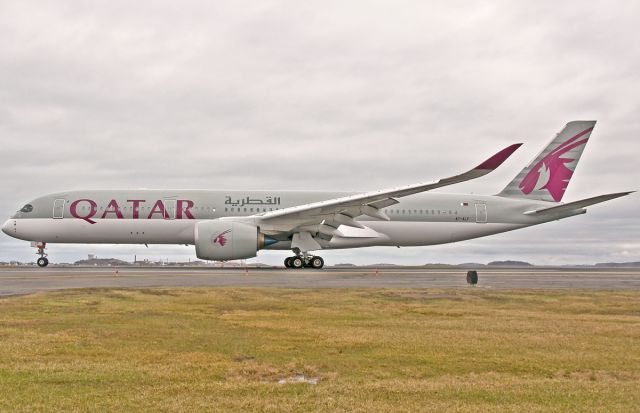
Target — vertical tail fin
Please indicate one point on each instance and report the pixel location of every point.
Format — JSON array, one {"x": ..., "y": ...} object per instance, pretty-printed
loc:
[{"x": 546, "y": 178}]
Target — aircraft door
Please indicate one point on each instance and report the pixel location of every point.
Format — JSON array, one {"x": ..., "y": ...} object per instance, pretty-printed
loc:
[
  {"x": 170, "y": 208},
  {"x": 58, "y": 208},
  {"x": 481, "y": 213}
]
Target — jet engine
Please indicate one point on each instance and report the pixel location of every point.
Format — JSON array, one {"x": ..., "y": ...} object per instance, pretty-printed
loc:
[{"x": 222, "y": 240}]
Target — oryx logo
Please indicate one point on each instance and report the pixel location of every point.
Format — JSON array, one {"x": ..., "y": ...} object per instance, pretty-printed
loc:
[
  {"x": 220, "y": 238},
  {"x": 552, "y": 172}
]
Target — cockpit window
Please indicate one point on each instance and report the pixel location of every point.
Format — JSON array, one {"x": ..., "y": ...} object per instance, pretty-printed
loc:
[{"x": 27, "y": 208}]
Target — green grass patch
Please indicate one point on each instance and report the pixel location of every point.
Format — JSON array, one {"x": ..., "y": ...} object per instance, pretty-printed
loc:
[{"x": 225, "y": 349}]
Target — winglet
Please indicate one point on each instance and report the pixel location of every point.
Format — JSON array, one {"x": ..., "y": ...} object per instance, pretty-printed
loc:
[{"x": 497, "y": 159}]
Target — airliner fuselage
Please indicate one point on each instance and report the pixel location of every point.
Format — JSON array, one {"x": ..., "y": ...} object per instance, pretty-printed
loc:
[{"x": 169, "y": 217}]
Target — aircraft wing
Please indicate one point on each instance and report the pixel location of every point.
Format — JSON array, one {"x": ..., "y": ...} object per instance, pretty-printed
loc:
[{"x": 326, "y": 216}]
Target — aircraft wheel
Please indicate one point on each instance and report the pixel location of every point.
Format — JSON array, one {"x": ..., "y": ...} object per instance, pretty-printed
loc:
[
  {"x": 297, "y": 262},
  {"x": 317, "y": 263},
  {"x": 287, "y": 262},
  {"x": 42, "y": 262}
]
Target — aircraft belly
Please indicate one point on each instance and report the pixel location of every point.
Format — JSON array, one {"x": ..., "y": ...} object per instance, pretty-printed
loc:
[
  {"x": 107, "y": 231},
  {"x": 421, "y": 233},
  {"x": 473, "y": 230},
  {"x": 414, "y": 233}
]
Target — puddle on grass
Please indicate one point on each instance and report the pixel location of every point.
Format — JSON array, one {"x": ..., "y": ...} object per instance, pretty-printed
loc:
[
  {"x": 300, "y": 378},
  {"x": 250, "y": 369}
]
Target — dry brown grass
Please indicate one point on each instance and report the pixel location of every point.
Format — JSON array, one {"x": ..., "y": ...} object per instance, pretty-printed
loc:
[{"x": 373, "y": 350}]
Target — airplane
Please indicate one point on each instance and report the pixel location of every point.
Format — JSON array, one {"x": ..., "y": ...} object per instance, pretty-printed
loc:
[{"x": 230, "y": 225}]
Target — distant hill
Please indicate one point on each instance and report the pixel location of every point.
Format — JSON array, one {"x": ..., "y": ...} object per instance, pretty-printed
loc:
[
  {"x": 102, "y": 262},
  {"x": 617, "y": 265},
  {"x": 509, "y": 263},
  {"x": 436, "y": 266}
]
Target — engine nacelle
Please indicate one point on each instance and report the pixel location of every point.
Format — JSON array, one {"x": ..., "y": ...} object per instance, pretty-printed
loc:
[{"x": 228, "y": 240}]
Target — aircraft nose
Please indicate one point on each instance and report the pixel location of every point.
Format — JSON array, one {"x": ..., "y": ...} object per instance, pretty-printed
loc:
[{"x": 6, "y": 227}]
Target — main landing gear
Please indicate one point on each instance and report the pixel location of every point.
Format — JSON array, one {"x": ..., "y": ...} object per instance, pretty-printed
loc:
[
  {"x": 42, "y": 261},
  {"x": 299, "y": 261}
]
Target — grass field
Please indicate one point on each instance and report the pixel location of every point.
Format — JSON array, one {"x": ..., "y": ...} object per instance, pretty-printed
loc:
[{"x": 372, "y": 350}]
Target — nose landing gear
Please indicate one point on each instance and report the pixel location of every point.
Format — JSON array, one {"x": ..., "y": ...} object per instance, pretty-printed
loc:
[{"x": 42, "y": 261}]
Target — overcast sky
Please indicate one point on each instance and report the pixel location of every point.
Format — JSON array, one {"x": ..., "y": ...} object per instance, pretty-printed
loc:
[{"x": 330, "y": 95}]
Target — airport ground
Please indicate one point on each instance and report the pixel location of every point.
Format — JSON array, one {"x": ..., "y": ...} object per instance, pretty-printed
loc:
[
  {"x": 363, "y": 342},
  {"x": 26, "y": 280}
]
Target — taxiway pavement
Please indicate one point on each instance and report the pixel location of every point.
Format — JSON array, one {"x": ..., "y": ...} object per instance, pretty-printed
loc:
[{"x": 26, "y": 280}]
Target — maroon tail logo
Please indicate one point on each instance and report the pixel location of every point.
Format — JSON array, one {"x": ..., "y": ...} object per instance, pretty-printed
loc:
[
  {"x": 221, "y": 238},
  {"x": 551, "y": 172}
]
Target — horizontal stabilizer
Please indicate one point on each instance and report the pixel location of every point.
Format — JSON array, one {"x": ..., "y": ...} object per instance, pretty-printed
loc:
[{"x": 572, "y": 206}]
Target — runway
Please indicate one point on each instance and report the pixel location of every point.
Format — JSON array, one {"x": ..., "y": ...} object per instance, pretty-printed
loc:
[{"x": 18, "y": 281}]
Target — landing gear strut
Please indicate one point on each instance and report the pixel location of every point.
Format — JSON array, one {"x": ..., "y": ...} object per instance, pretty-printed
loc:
[
  {"x": 42, "y": 261},
  {"x": 304, "y": 260}
]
